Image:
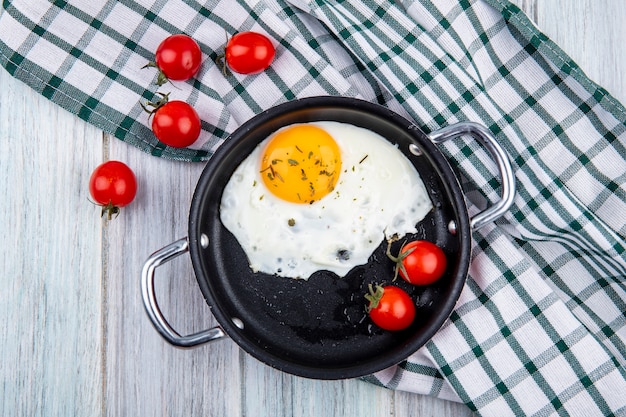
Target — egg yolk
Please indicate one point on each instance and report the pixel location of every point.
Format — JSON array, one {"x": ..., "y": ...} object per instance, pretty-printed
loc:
[{"x": 301, "y": 164}]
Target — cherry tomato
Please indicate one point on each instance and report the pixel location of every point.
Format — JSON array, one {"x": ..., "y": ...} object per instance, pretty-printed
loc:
[
  {"x": 175, "y": 123},
  {"x": 390, "y": 307},
  {"x": 249, "y": 53},
  {"x": 421, "y": 262},
  {"x": 112, "y": 185},
  {"x": 178, "y": 57}
]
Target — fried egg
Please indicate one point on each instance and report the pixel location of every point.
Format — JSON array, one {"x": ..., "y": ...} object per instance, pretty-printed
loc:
[{"x": 321, "y": 196}]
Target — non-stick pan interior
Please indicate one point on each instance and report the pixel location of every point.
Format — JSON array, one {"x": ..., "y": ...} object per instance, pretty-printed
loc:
[{"x": 319, "y": 328}]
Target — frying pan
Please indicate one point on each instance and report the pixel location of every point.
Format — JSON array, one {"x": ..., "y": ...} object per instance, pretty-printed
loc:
[{"x": 319, "y": 328}]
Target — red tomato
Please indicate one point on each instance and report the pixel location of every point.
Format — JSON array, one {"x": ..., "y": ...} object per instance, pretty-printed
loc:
[
  {"x": 176, "y": 124},
  {"x": 178, "y": 57},
  {"x": 421, "y": 262},
  {"x": 112, "y": 185},
  {"x": 390, "y": 307},
  {"x": 249, "y": 53}
]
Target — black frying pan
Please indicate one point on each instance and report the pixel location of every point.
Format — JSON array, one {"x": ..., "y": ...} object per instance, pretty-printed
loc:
[{"x": 319, "y": 328}]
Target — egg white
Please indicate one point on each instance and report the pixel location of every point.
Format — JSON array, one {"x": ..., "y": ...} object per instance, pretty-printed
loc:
[{"x": 379, "y": 193}]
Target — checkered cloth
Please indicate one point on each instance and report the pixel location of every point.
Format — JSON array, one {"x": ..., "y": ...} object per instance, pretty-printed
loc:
[{"x": 540, "y": 328}]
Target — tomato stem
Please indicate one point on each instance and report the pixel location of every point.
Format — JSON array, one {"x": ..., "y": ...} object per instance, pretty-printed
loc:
[
  {"x": 165, "y": 97},
  {"x": 374, "y": 296},
  {"x": 398, "y": 259},
  {"x": 161, "y": 77},
  {"x": 220, "y": 61},
  {"x": 110, "y": 210},
  {"x": 389, "y": 255}
]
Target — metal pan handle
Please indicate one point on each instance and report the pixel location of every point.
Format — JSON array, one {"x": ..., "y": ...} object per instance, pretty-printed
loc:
[
  {"x": 507, "y": 179},
  {"x": 155, "y": 260}
]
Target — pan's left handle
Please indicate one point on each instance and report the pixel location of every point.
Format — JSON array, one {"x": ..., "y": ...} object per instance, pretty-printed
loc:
[{"x": 155, "y": 260}]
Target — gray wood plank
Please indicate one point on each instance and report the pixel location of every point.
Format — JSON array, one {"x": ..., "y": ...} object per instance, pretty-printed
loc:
[
  {"x": 341, "y": 398},
  {"x": 592, "y": 33},
  {"x": 50, "y": 297},
  {"x": 145, "y": 375},
  {"x": 411, "y": 405}
]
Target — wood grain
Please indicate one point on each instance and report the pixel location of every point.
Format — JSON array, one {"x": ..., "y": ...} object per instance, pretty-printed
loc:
[
  {"x": 592, "y": 33},
  {"x": 50, "y": 268},
  {"x": 76, "y": 339}
]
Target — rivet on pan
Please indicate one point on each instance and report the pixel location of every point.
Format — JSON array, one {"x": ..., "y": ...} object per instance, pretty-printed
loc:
[
  {"x": 204, "y": 241},
  {"x": 452, "y": 227},
  {"x": 415, "y": 150},
  {"x": 237, "y": 322}
]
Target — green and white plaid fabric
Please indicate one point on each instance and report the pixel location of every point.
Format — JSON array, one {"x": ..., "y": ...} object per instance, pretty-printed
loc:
[{"x": 540, "y": 328}]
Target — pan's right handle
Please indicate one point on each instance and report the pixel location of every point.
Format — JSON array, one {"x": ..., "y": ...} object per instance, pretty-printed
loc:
[
  {"x": 155, "y": 260},
  {"x": 499, "y": 155}
]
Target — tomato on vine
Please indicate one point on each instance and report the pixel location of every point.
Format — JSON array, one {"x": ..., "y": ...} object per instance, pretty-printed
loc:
[
  {"x": 419, "y": 262},
  {"x": 175, "y": 123},
  {"x": 112, "y": 185},
  {"x": 249, "y": 52},
  {"x": 178, "y": 57},
  {"x": 390, "y": 307}
]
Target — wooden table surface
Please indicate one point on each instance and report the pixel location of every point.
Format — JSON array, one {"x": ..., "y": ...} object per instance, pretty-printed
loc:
[{"x": 76, "y": 340}]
